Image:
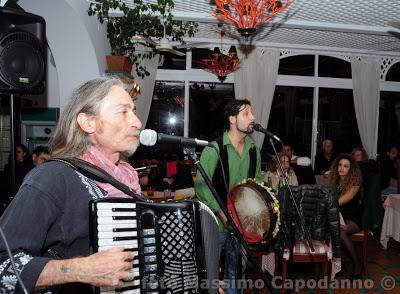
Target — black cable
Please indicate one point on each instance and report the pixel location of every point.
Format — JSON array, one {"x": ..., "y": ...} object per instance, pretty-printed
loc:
[{"x": 12, "y": 262}]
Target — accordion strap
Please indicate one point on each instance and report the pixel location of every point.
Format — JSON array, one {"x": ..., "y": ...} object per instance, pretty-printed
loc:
[{"x": 95, "y": 173}]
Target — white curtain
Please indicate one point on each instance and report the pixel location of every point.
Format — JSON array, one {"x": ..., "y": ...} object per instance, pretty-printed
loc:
[
  {"x": 365, "y": 75},
  {"x": 146, "y": 84},
  {"x": 255, "y": 80}
]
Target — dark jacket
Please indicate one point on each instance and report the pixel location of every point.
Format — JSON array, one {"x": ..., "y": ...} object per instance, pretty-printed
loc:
[{"x": 319, "y": 207}]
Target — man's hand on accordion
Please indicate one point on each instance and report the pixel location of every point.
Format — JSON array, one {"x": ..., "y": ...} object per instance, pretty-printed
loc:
[{"x": 108, "y": 268}]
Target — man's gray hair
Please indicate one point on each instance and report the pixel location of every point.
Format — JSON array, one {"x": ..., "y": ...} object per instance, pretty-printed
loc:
[{"x": 69, "y": 139}]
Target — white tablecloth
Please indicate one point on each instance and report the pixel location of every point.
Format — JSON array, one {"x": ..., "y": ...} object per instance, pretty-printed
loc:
[{"x": 391, "y": 220}]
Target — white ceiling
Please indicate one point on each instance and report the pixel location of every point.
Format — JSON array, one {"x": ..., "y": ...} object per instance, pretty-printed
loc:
[{"x": 345, "y": 26}]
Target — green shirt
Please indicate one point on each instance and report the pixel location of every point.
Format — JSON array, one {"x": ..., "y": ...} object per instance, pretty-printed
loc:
[{"x": 238, "y": 169}]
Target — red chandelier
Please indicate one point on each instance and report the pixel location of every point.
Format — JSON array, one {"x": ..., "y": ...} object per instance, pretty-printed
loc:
[
  {"x": 247, "y": 15},
  {"x": 221, "y": 64}
]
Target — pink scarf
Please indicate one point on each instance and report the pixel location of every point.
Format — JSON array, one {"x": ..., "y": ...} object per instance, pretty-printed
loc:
[{"x": 122, "y": 171}]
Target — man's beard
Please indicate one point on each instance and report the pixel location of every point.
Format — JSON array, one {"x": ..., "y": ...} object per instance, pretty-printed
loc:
[{"x": 249, "y": 130}]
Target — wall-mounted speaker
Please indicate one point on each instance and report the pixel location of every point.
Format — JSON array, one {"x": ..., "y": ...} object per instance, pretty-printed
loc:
[{"x": 22, "y": 52}]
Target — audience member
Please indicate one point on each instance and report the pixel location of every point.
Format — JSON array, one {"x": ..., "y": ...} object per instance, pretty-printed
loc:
[
  {"x": 367, "y": 166},
  {"x": 388, "y": 167},
  {"x": 294, "y": 159},
  {"x": 324, "y": 159},
  {"x": 359, "y": 154},
  {"x": 273, "y": 175},
  {"x": 345, "y": 176},
  {"x": 301, "y": 165},
  {"x": 40, "y": 154},
  {"x": 23, "y": 164}
]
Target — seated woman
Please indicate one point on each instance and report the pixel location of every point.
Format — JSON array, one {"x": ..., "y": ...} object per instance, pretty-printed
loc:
[
  {"x": 345, "y": 176},
  {"x": 273, "y": 174},
  {"x": 359, "y": 154},
  {"x": 367, "y": 166}
]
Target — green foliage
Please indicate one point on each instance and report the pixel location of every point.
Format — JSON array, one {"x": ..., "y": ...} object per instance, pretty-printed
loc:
[{"x": 142, "y": 19}]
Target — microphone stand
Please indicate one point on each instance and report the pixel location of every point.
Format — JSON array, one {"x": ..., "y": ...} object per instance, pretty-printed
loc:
[
  {"x": 232, "y": 228},
  {"x": 298, "y": 211}
]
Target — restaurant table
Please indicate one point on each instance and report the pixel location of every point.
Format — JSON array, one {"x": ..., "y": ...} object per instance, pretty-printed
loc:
[
  {"x": 159, "y": 196},
  {"x": 391, "y": 219}
]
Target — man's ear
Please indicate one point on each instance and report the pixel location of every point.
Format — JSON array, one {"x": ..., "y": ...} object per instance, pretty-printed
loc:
[
  {"x": 87, "y": 122},
  {"x": 232, "y": 119}
]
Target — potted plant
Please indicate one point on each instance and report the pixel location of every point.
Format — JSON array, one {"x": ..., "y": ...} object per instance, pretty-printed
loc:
[{"x": 141, "y": 18}]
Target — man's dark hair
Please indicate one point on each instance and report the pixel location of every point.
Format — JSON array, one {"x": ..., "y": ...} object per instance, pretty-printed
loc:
[
  {"x": 232, "y": 108},
  {"x": 41, "y": 149}
]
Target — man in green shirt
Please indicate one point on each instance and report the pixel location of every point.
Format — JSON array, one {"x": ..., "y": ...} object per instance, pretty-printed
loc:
[{"x": 241, "y": 160}]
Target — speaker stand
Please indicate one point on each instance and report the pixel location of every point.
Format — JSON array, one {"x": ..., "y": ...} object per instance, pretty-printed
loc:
[{"x": 12, "y": 145}]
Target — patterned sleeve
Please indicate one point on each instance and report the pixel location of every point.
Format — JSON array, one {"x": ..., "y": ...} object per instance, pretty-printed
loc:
[{"x": 25, "y": 224}]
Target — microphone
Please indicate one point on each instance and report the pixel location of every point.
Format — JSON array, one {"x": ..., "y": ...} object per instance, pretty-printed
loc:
[
  {"x": 259, "y": 128},
  {"x": 150, "y": 138}
]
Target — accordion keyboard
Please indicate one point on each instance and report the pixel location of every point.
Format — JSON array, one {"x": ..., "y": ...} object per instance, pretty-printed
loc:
[{"x": 165, "y": 237}]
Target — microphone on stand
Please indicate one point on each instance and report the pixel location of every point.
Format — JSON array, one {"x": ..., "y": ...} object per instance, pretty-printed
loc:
[
  {"x": 150, "y": 138},
  {"x": 259, "y": 128}
]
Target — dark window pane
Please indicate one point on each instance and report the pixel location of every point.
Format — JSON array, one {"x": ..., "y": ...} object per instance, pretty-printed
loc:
[
  {"x": 300, "y": 65},
  {"x": 393, "y": 74},
  {"x": 198, "y": 54},
  {"x": 207, "y": 101},
  {"x": 291, "y": 118},
  {"x": 172, "y": 61},
  {"x": 389, "y": 120},
  {"x": 332, "y": 67},
  {"x": 166, "y": 112},
  {"x": 337, "y": 119}
]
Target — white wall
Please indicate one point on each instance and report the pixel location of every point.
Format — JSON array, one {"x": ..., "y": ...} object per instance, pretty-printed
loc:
[{"x": 78, "y": 43}]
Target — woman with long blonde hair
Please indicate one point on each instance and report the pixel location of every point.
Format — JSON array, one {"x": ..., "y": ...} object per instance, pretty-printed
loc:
[{"x": 345, "y": 176}]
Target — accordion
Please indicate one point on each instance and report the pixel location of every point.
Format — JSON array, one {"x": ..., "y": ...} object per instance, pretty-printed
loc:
[{"x": 175, "y": 243}]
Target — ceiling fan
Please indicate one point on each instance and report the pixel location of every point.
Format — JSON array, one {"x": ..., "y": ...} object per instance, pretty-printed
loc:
[
  {"x": 164, "y": 45},
  {"x": 396, "y": 25}
]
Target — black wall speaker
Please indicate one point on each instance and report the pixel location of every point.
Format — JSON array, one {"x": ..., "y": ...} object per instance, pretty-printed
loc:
[{"x": 22, "y": 52}]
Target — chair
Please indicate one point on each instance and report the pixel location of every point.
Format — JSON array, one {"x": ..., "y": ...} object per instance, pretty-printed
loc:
[
  {"x": 302, "y": 253},
  {"x": 371, "y": 218},
  {"x": 362, "y": 237},
  {"x": 319, "y": 207}
]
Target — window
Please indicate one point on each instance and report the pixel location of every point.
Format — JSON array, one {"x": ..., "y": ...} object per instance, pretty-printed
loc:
[
  {"x": 337, "y": 119},
  {"x": 166, "y": 112},
  {"x": 207, "y": 101},
  {"x": 389, "y": 120},
  {"x": 291, "y": 118},
  {"x": 393, "y": 74},
  {"x": 300, "y": 65},
  {"x": 198, "y": 54},
  {"x": 332, "y": 67}
]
